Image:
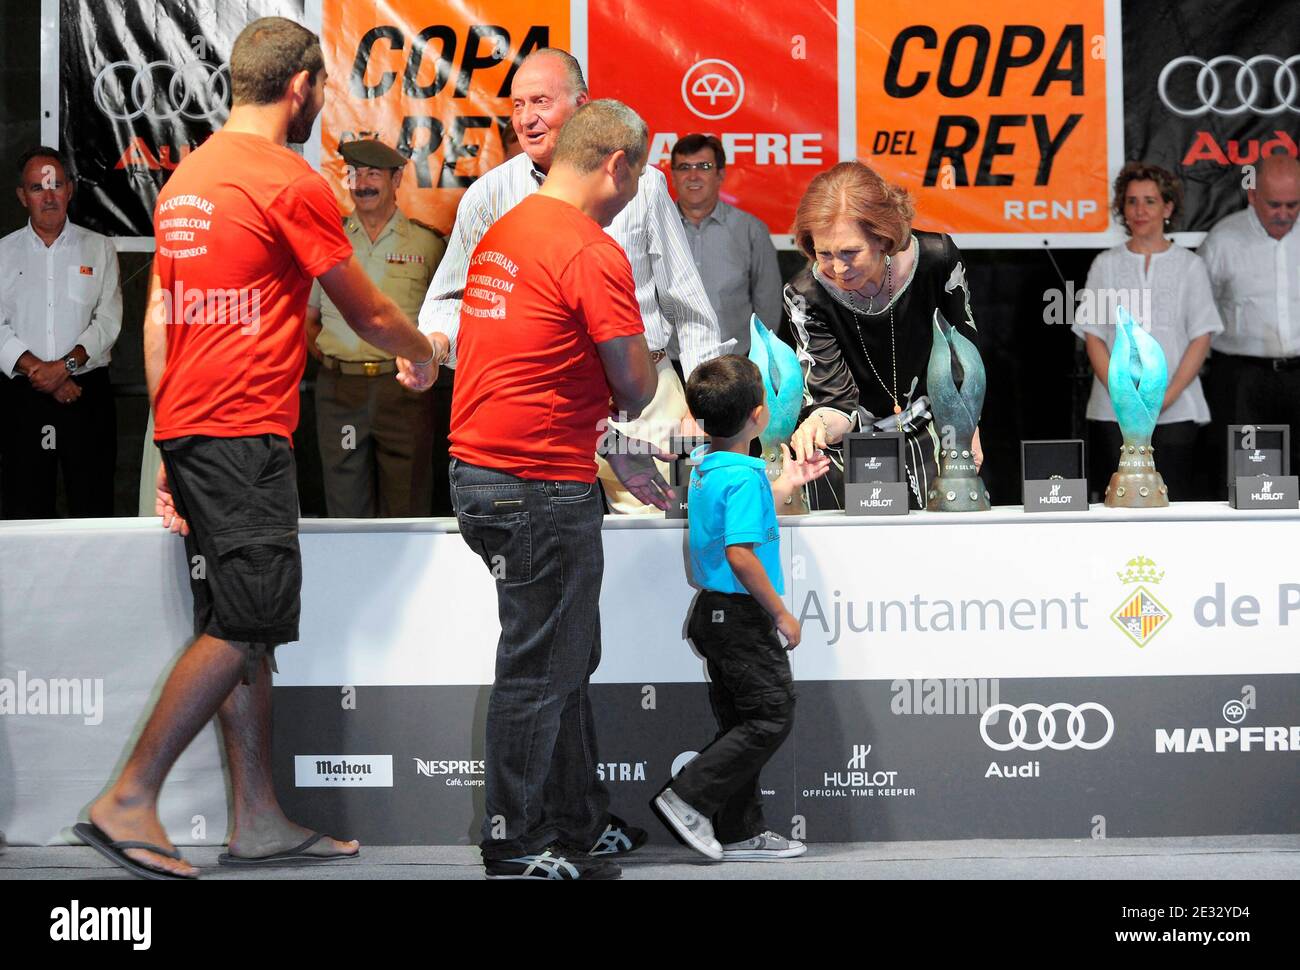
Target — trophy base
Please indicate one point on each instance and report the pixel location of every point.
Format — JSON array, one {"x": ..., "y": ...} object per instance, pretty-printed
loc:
[
  {"x": 953, "y": 494},
  {"x": 1137, "y": 490},
  {"x": 1136, "y": 484}
]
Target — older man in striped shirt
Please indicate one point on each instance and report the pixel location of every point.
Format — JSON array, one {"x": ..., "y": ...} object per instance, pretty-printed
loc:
[{"x": 547, "y": 89}]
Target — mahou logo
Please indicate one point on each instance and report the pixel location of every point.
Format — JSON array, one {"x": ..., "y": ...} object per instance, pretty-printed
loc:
[
  {"x": 713, "y": 89},
  {"x": 343, "y": 771}
]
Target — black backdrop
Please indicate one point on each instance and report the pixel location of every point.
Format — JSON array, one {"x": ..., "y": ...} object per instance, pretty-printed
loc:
[{"x": 1036, "y": 374}]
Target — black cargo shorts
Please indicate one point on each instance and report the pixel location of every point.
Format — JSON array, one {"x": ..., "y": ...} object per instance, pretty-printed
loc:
[{"x": 240, "y": 498}]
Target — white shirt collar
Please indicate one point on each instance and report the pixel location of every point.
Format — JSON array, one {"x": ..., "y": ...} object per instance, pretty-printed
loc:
[{"x": 37, "y": 241}]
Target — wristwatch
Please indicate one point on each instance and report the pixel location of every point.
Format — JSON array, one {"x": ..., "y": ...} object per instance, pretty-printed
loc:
[{"x": 70, "y": 362}]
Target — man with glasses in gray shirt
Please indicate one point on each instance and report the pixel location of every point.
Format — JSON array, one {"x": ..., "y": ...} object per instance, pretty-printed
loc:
[{"x": 731, "y": 248}]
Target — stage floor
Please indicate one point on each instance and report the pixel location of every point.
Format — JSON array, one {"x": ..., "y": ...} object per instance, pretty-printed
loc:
[{"x": 1229, "y": 857}]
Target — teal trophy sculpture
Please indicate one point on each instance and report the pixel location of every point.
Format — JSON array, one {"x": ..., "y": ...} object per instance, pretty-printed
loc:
[
  {"x": 1137, "y": 378},
  {"x": 783, "y": 382},
  {"x": 955, "y": 383}
]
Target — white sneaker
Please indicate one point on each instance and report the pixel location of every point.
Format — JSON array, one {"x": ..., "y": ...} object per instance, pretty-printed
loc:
[
  {"x": 763, "y": 848},
  {"x": 695, "y": 829}
]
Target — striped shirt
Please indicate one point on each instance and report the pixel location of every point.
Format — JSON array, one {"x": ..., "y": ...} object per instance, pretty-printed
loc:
[{"x": 668, "y": 287}]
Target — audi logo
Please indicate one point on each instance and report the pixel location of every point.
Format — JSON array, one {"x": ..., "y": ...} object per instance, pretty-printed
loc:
[
  {"x": 1018, "y": 727},
  {"x": 1250, "y": 86},
  {"x": 195, "y": 90}
]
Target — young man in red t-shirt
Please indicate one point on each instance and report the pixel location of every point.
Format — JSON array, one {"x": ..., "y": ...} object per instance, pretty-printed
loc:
[
  {"x": 550, "y": 338},
  {"x": 242, "y": 227}
]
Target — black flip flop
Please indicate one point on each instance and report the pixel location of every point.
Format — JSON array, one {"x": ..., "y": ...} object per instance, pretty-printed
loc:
[
  {"x": 98, "y": 839},
  {"x": 290, "y": 857}
]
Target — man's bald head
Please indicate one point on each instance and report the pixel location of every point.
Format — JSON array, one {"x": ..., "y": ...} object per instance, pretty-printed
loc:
[{"x": 1276, "y": 195}]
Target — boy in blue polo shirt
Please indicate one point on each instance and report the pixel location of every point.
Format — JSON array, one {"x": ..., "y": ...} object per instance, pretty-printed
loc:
[{"x": 734, "y": 624}]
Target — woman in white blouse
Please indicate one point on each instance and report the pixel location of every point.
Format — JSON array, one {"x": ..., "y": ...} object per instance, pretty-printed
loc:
[{"x": 1167, "y": 290}]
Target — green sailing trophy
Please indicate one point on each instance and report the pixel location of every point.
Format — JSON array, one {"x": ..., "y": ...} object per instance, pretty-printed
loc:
[
  {"x": 956, "y": 383},
  {"x": 783, "y": 382},
  {"x": 1138, "y": 377}
]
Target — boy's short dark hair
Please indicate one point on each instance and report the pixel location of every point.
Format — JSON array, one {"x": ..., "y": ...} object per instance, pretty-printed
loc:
[{"x": 723, "y": 392}]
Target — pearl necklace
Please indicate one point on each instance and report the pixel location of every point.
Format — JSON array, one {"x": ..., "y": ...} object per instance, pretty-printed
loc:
[{"x": 893, "y": 350}]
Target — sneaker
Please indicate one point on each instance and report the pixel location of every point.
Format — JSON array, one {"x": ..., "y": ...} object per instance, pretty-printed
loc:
[
  {"x": 551, "y": 863},
  {"x": 694, "y": 828},
  {"x": 619, "y": 838},
  {"x": 763, "y": 848}
]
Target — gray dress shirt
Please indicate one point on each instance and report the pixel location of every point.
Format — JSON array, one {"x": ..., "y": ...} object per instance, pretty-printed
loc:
[{"x": 737, "y": 262}]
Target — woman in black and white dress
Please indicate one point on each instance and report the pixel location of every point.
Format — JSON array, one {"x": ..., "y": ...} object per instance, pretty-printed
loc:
[{"x": 862, "y": 315}]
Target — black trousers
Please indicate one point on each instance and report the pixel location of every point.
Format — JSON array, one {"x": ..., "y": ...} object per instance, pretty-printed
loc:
[
  {"x": 1247, "y": 390},
  {"x": 39, "y": 437},
  {"x": 1177, "y": 454},
  {"x": 752, "y": 694}
]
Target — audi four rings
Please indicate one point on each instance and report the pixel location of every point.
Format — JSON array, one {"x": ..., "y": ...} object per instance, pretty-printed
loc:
[
  {"x": 1018, "y": 727},
  {"x": 1248, "y": 85},
  {"x": 196, "y": 90}
]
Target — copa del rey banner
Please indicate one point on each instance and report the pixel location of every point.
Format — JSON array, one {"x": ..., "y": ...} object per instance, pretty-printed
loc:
[
  {"x": 993, "y": 115},
  {"x": 433, "y": 80},
  {"x": 1007, "y": 121}
]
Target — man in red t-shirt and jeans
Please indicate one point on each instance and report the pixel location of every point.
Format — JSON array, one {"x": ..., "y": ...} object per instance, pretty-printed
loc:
[
  {"x": 550, "y": 339},
  {"x": 242, "y": 227}
]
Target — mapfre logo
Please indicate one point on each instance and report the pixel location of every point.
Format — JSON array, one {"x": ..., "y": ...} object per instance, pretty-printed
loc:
[
  {"x": 1219, "y": 740},
  {"x": 713, "y": 89}
]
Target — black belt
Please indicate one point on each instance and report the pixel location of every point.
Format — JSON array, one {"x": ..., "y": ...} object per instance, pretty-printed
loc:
[{"x": 1276, "y": 364}]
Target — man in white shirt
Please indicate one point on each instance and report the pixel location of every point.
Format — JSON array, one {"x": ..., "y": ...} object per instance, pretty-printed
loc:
[
  {"x": 60, "y": 313},
  {"x": 547, "y": 89},
  {"x": 1253, "y": 257}
]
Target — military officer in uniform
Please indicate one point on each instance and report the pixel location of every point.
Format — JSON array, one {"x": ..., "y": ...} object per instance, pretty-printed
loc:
[{"x": 376, "y": 437}]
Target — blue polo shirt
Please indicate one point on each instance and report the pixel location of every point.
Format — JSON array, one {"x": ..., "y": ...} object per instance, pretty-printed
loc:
[{"x": 731, "y": 503}]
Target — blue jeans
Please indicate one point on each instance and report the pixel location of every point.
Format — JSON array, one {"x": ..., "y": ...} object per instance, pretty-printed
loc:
[{"x": 541, "y": 540}]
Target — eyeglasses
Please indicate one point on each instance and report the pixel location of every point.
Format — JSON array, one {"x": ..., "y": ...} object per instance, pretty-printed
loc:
[{"x": 692, "y": 166}]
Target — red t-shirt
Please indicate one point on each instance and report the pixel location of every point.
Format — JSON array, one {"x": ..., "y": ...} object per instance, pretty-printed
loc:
[
  {"x": 242, "y": 227},
  {"x": 545, "y": 285}
]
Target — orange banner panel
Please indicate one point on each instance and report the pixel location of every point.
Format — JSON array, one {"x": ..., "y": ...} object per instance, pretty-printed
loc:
[
  {"x": 431, "y": 80},
  {"x": 993, "y": 116}
]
